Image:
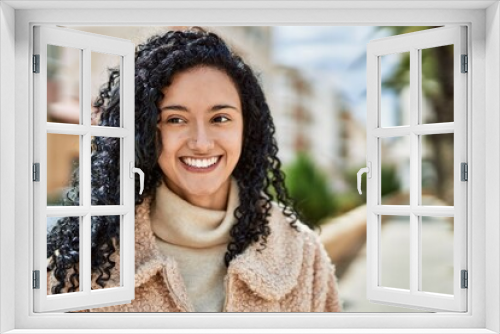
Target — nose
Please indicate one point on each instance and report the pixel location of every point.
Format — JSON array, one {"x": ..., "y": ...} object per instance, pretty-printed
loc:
[{"x": 200, "y": 140}]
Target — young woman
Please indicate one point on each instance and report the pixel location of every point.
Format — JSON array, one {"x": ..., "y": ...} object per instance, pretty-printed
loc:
[{"x": 215, "y": 228}]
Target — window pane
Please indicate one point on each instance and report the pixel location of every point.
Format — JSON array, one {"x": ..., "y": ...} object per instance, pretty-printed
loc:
[
  {"x": 105, "y": 171},
  {"x": 63, "y": 159},
  {"x": 437, "y": 84},
  {"x": 63, "y": 244},
  {"x": 437, "y": 169},
  {"x": 105, "y": 252},
  {"x": 104, "y": 67},
  {"x": 395, "y": 94},
  {"x": 395, "y": 252},
  {"x": 63, "y": 84},
  {"x": 395, "y": 170},
  {"x": 437, "y": 254}
]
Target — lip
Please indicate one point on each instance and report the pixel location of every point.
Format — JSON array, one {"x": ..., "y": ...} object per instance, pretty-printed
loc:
[{"x": 201, "y": 169}]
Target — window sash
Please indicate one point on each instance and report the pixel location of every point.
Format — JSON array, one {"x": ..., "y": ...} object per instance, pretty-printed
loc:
[
  {"x": 413, "y": 43},
  {"x": 85, "y": 297}
]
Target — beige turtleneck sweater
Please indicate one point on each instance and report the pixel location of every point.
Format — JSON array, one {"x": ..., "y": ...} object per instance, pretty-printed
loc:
[{"x": 197, "y": 239}]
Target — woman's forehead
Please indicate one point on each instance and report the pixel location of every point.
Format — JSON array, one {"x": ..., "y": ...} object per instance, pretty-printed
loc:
[{"x": 201, "y": 85}]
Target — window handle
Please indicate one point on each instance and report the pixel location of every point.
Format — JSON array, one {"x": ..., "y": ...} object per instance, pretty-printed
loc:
[
  {"x": 368, "y": 171},
  {"x": 141, "y": 175}
]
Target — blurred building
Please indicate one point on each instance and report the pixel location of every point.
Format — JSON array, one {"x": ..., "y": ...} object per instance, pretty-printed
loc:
[
  {"x": 325, "y": 133},
  {"x": 306, "y": 113},
  {"x": 289, "y": 100},
  {"x": 352, "y": 141}
]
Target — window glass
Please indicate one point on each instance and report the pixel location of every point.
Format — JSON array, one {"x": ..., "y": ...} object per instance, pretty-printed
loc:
[
  {"x": 105, "y": 151},
  {"x": 104, "y": 67},
  {"x": 66, "y": 231},
  {"x": 437, "y": 254},
  {"x": 63, "y": 84},
  {"x": 437, "y": 84},
  {"x": 395, "y": 170},
  {"x": 63, "y": 160},
  {"x": 106, "y": 254},
  {"x": 395, "y": 96},
  {"x": 438, "y": 169},
  {"x": 395, "y": 252}
]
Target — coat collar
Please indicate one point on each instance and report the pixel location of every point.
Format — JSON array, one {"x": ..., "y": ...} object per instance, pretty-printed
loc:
[{"x": 271, "y": 271}]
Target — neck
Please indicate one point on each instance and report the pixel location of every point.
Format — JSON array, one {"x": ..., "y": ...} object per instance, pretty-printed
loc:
[
  {"x": 181, "y": 223},
  {"x": 215, "y": 201}
]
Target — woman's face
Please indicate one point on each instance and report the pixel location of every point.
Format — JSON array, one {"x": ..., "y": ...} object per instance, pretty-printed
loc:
[{"x": 202, "y": 134}]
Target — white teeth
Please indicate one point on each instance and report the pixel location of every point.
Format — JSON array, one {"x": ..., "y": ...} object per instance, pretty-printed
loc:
[{"x": 200, "y": 163}]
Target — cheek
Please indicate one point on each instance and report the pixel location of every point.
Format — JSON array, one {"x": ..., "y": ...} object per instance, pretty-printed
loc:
[
  {"x": 169, "y": 147},
  {"x": 235, "y": 142}
]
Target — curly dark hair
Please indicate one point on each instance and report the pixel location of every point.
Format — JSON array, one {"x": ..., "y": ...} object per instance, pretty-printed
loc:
[{"x": 258, "y": 171}]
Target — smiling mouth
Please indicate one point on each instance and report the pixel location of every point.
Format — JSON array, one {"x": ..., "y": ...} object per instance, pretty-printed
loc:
[{"x": 200, "y": 163}]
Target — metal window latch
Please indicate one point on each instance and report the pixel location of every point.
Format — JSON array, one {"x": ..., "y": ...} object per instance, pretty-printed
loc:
[
  {"x": 133, "y": 170},
  {"x": 465, "y": 279},
  {"x": 464, "y": 172},
  {"x": 36, "y": 279},
  {"x": 368, "y": 171}
]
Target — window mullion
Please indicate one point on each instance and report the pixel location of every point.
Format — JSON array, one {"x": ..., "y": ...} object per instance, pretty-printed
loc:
[
  {"x": 394, "y": 131},
  {"x": 392, "y": 210},
  {"x": 434, "y": 129},
  {"x": 434, "y": 211},
  {"x": 85, "y": 185},
  {"x": 107, "y": 131},
  {"x": 76, "y": 129},
  {"x": 415, "y": 267},
  {"x": 66, "y": 129},
  {"x": 108, "y": 210}
]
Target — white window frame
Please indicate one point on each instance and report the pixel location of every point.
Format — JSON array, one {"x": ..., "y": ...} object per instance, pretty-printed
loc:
[
  {"x": 86, "y": 44},
  {"x": 483, "y": 21},
  {"x": 411, "y": 133}
]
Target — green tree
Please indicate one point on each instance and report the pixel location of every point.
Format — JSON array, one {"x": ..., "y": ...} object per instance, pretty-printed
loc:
[{"x": 308, "y": 186}]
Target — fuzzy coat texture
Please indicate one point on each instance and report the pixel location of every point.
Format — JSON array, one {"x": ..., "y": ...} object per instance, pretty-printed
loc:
[{"x": 292, "y": 274}]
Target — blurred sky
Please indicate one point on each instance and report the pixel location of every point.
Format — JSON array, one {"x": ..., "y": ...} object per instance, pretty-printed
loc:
[{"x": 336, "y": 54}]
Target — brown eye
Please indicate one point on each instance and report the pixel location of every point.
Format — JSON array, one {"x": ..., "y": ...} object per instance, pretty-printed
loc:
[
  {"x": 175, "y": 120},
  {"x": 220, "y": 119}
]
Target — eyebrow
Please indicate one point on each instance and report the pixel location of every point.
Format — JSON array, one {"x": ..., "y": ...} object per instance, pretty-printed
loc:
[{"x": 215, "y": 108}]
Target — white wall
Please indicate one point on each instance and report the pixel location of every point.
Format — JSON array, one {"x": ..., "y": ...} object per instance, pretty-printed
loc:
[
  {"x": 7, "y": 160},
  {"x": 492, "y": 163}
]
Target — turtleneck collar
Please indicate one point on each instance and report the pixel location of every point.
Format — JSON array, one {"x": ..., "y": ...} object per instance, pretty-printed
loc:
[{"x": 180, "y": 223}]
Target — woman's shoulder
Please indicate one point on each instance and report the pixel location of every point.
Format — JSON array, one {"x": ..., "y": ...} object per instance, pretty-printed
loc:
[
  {"x": 295, "y": 246},
  {"x": 297, "y": 238},
  {"x": 280, "y": 222}
]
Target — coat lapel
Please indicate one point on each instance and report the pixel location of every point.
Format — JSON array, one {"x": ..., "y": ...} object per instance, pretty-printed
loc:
[
  {"x": 271, "y": 271},
  {"x": 149, "y": 261}
]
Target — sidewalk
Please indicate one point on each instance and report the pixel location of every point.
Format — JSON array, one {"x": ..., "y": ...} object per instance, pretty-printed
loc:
[{"x": 437, "y": 263}]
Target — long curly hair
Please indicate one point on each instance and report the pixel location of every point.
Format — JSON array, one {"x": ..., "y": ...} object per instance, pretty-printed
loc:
[{"x": 258, "y": 171}]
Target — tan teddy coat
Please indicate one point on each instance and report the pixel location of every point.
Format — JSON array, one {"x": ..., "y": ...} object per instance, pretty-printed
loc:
[{"x": 292, "y": 274}]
